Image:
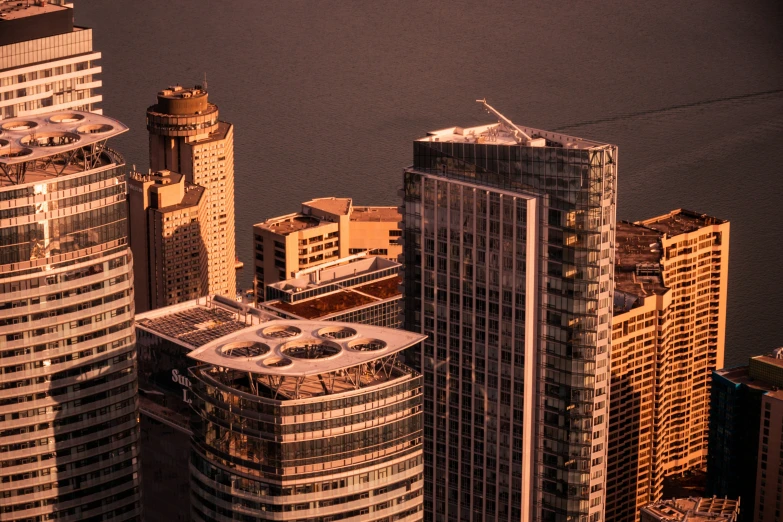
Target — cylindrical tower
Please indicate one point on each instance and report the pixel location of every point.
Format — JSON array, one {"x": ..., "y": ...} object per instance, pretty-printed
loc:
[
  {"x": 68, "y": 403},
  {"x": 304, "y": 420}
]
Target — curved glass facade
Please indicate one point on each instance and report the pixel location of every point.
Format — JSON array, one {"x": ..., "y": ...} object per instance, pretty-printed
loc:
[
  {"x": 354, "y": 456},
  {"x": 68, "y": 399}
]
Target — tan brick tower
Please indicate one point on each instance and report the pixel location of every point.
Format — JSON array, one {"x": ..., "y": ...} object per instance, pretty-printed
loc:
[
  {"x": 187, "y": 137},
  {"x": 671, "y": 277}
]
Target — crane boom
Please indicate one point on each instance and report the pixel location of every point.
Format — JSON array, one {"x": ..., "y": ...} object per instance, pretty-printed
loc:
[{"x": 519, "y": 134}]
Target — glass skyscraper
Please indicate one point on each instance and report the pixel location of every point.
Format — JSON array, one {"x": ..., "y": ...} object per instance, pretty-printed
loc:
[
  {"x": 69, "y": 433},
  {"x": 509, "y": 249}
]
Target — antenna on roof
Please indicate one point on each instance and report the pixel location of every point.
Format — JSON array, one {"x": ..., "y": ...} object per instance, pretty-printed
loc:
[
  {"x": 205, "y": 81},
  {"x": 519, "y": 134}
]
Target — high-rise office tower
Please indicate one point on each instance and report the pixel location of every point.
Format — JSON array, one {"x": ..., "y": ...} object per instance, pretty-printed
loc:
[
  {"x": 325, "y": 231},
  {"x": 509, "y": 236},
  {"x": 68, "y": 401},
  {"x": 306, "y": 420},
  {"x": 746, "y": 437},
  {"x": 671, "y": 277},
  {"x": 167, "y": 238},
  {"x": 187, "y": 137},
  {"x": 46, "y": 63}
]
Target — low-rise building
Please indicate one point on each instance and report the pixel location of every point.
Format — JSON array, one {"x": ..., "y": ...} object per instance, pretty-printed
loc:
[
  {"x": 325, "y": 230},
  {"x": 364, "y": 291},
  {"x": 692, "y": 510}
]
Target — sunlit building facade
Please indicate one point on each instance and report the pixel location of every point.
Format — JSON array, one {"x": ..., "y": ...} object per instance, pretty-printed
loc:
[
  {"x": 69, "y": 431},
  {"x": 307, "y": 420},
  {"x": 671, "y": 281},
  {"x": 187, "y": 137},
  {"x": 326, "y": 231},
  {"x": 509, "y": 236}
]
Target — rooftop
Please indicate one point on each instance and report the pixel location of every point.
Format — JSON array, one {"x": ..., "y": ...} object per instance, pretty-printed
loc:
[
  {"x": 322, "y": 306},
  {"x": 694, "y": 509},
  {"x": 289, "y": 224},
  {"x": 193, "y": 194},
  {"x": 376, "y": 214},
  {"x": 284, "y": 348},
  {"x": 741, "y": 375},
  {"x": 339, "y": 206},
  {"x": 16, "y": 9},
  {"x": 339, "y": 301},
  {"x": 637, "y": 263},
  {"x": 335, "y": 274},
  {"x": 181, "y": 101},
  {"x": 505, "y": 132},
  {"x": 775, "y": 359},
  {"x": 56, "y": 135},
  {"x": 680, "y": 221},
  {"x": 201, "y": 321}
]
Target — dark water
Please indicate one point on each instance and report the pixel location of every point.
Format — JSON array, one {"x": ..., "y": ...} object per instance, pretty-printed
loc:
[{"x": 327, "y": 97}]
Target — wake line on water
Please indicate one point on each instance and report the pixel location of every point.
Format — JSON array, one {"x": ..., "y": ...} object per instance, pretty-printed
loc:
[{"x": 670, "y": 108}]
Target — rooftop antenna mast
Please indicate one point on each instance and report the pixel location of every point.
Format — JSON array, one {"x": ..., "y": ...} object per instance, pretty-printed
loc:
[
  {"x": 519, "y": 134},
  {"x": 205, "y": 81}
]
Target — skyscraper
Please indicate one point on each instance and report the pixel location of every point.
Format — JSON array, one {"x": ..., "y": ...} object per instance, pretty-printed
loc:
[
  {"x": 46, "y": 63},
  {"x": 671, "y": 278},
  {"x": 167, "y": 237},
  {"x": 306, "y": 420},
  {"x": 186, "y": 137},
  {"x": 68, "y": 392},
  {"x": 509, "y": 239}
]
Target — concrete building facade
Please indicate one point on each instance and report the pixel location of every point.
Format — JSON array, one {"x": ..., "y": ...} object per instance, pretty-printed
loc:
[
  {"x": 509, "y": 235},
  {"x": 69, "y": 432},
  {"x": 186, "y": 136},
  {"x": 746, "y": 437},
  {"x": 326, "y": 229},
  {"x": 671, "y": 278},
  {"x": 307, "y": 420},
  {"x": 167, "y": 236},
  {"x": 46, "y": 63}
]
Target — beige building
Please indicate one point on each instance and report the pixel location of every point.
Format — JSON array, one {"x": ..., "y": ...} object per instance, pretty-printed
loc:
[
  {"x": 46, "y": 63},
  {"x": 327, "y": 229},
  {"x": 166, "y": 236},
  {"x": 671, "y": 275},
  {"x": 187, "y": 137},
  {"x": 692, "y": 510}
]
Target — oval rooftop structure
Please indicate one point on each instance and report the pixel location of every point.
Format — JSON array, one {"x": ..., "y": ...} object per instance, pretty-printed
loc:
[
  {"x": 29, "y": 138},
  {"x": 302, "y": 348}
]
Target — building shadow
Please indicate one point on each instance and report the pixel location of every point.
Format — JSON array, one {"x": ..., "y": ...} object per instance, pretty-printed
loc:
[{"x": 629, "y": 468}]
